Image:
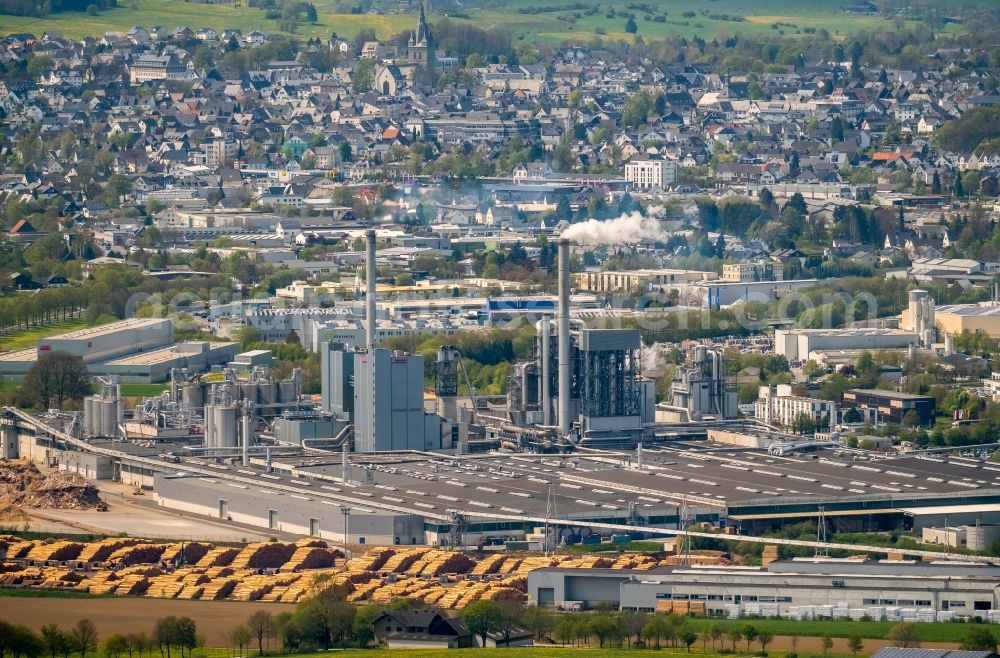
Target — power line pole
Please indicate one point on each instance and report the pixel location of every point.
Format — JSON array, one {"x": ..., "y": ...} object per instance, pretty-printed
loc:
[{"x": 550, "y": 511}]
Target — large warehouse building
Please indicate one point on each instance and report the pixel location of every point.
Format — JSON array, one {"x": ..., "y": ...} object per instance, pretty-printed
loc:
[
  {"x": 802, "y": 588},
  {"x": 797, "y": 344},
  {"x": 282, "y": 511},
  {"x": 108, "y": 341},
  {"x": 136, "y": 349}
]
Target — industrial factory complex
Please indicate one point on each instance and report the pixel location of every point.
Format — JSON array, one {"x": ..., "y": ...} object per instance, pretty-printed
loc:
[{"x": 577, "y": 450}]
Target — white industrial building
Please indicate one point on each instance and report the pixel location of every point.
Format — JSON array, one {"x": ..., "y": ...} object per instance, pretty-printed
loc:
[
  {"x": 800, "y": 588},
  {"x": 796, "y": 344},
  {"x": 716, "y": 294},
  {"x": 138, "y": 349},
  {"x": 108, "y": 341}
]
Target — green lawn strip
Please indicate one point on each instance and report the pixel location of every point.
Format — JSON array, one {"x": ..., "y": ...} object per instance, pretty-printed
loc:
[
  {"x": 929, "y": 632},
  {"x": 143, "y": 390},
  {"x": 29, "y": 337}
]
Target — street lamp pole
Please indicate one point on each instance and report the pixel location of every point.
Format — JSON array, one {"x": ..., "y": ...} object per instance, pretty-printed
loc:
[{"x": 346, "y": 511}]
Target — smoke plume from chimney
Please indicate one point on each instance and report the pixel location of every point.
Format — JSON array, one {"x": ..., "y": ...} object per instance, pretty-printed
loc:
[{"x": 629, "y": 228}]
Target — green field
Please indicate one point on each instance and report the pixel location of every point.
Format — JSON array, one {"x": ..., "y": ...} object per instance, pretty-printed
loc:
[
  {"x": 175, "y": 13},
  {"x": 29, "y": 338},
  {"x": 143, "y": 390},
  {"x": 929, "y": 632},
  {"x": 556, "y": 26}
]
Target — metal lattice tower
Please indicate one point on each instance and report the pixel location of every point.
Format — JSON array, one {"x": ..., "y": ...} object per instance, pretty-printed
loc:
[
  {"x": 446, "y": 372},
  {"x": 550, "y": 511},
  {"x": 821, "y": 531},
  {"x": 457, "y": 530}
]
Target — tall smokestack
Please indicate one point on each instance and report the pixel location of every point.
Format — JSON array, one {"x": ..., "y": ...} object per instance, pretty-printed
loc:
[
  {"x": 563, "y": 328},
  {"x": 370, "y": 290}
]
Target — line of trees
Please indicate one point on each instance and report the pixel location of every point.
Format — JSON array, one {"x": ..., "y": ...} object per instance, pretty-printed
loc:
[
  {"x": 327, "y": 620},
  {"x": 322, "y": 621},
  {"x": 170, "y": 636}
]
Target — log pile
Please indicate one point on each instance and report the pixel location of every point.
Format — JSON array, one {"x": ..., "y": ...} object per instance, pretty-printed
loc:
[
  {"x": 191, "y": 552},
  {"x": 100, "y": 551},
  {"x": 490, "y": 565},
  {"x": 288, "y": 572},
  {"x": 373, "y": 560},
  {"x": 218, "y": 557},
  {"x": 55, "y": 551},
  {"x": 137, "y": 554},
  {"x": 403, "y": 560},
  {"x": 310, "y": 557}
]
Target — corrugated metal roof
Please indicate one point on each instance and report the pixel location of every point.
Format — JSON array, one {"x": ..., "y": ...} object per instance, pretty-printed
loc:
[{"x": 899, "y": 652}]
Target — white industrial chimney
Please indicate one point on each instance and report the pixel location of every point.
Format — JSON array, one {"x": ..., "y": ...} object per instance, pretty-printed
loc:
[
  {"x": 370, "y": 291},
  {"x": 563, "y": 329}
]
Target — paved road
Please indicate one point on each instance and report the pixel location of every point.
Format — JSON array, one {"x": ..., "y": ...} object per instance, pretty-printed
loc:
[{"x": 139, "y": 516}]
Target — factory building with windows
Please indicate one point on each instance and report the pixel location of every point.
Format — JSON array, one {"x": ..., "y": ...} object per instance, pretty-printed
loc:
[{"x": 788, "y": 588}]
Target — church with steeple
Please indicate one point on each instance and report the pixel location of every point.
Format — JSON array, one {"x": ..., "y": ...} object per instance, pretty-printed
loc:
[
  {"x": 421, "y": 51},
  {"x": 413, "y": 63}
]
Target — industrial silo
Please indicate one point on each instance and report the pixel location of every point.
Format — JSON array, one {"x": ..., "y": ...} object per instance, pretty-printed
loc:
[
  {"x": 267, "y": 392},
  {"x": 209, "y": 427},
  {"x": 109, "y": 417},
  {"x": 194, "y": 395},
  {"x": 225, "y": 426},
  {"x": 286, "y": 391},
  {"x": 247, "y": 391},
  {"x": 88, "y": 416}
]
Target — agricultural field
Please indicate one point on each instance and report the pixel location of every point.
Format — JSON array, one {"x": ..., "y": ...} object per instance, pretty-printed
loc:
[
  {"x": 132, "y": 614},
  {"x": 553, "y": 22}
]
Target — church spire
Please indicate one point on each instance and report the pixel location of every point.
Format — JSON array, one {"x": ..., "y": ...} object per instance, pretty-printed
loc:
[{"x": 422, "y": 34}]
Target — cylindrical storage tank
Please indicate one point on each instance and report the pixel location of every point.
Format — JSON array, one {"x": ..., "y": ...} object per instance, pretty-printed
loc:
[
  {"x": 247, "y": 391},
  {"x": 225, "y": 426},
  {"x": 109, "y": 414},
  {"x": 194, "y": 395},
  {"x": 88, "y": 415},
  {"x": 267, "y": 392},
  {"x": 209, "y": 427},
  {"x": 286, "y": 391}
]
